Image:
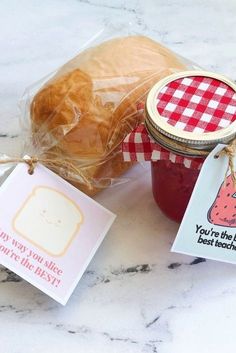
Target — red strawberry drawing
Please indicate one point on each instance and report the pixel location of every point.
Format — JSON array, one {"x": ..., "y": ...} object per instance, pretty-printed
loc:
[{"x": 223, "y": 210}]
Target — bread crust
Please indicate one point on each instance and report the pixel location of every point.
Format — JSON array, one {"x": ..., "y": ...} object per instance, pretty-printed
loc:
[{"x": 99, "y": 93}]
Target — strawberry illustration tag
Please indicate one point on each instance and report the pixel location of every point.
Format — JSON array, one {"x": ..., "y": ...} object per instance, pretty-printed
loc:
[
  {"x": 223, "y": 210},
  {"x": 208, "y": 228}
]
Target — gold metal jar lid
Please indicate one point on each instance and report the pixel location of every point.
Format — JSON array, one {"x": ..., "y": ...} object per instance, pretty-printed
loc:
[{"x": 191, "y": 112}]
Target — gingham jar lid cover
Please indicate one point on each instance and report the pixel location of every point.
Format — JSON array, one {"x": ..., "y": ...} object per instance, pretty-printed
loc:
[
  {"x": 193, "y": 106},
  {"x": 189, "y": 106}
]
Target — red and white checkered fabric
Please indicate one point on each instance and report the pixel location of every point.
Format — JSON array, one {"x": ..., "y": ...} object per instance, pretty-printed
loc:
[
  {"x": 139, "y": 146},
  {"x": 197, "y": 104}
]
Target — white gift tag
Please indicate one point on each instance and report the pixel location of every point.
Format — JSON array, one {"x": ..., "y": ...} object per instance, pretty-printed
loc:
[
  {"x": 49, "y": 230},
  {"x": 208, "y": 228}
]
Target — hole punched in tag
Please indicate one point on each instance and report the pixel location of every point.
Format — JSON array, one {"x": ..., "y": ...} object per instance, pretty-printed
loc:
[{"x": 31, "y": 162}]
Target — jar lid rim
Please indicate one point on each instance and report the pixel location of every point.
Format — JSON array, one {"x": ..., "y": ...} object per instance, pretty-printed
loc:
[{"x": 207, "y": 139}]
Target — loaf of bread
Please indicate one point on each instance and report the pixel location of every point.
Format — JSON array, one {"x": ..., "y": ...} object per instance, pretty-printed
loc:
[{"x": 100, "y": 93}]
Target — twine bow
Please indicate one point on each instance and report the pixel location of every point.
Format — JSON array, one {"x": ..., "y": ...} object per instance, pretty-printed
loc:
[
  {"x": 230, "y": 152},
  {"x": 49, "y": 162}
]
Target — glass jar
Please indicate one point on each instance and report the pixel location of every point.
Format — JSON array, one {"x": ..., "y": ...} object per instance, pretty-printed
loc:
[
  {"x": 187, "y": 115},
  {"x": 172, "y": 186}
]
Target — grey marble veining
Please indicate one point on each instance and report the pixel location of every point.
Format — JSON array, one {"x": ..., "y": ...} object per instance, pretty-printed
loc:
[{"x": 135, "y": 296}]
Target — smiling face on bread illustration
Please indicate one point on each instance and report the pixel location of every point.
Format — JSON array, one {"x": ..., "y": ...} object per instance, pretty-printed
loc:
[{"x": 49, "y": 220}]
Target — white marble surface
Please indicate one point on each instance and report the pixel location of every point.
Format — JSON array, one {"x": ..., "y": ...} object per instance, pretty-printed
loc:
[{"x": 136, "y": 296}]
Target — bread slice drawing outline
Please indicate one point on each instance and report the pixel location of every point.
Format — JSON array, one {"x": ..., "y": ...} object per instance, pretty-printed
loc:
[
  {"x": 49, "y": 220},
  {"x": 223, "y": 210}
]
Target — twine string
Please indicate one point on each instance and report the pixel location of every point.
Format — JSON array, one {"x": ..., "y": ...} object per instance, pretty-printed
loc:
[
  {"x": 49, "y": 162},
  {"x": 230, "y": 152},
  {"x": 31, "y": 162}
]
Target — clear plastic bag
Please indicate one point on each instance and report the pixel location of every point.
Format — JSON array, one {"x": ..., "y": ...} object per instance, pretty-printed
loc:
[{"x": 80, "y": 114}]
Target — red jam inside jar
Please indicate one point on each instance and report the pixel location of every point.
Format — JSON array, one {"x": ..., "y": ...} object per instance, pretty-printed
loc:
[{"x": 172, "y": 186}]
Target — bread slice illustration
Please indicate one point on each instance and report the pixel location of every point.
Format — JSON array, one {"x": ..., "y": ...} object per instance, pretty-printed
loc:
[
  {"x": 223, "y": 210},
  {"x": 49, "y": 220}
]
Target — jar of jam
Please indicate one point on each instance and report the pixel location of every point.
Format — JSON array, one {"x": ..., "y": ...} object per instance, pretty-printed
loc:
[{"x": 187, "y": 115}]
